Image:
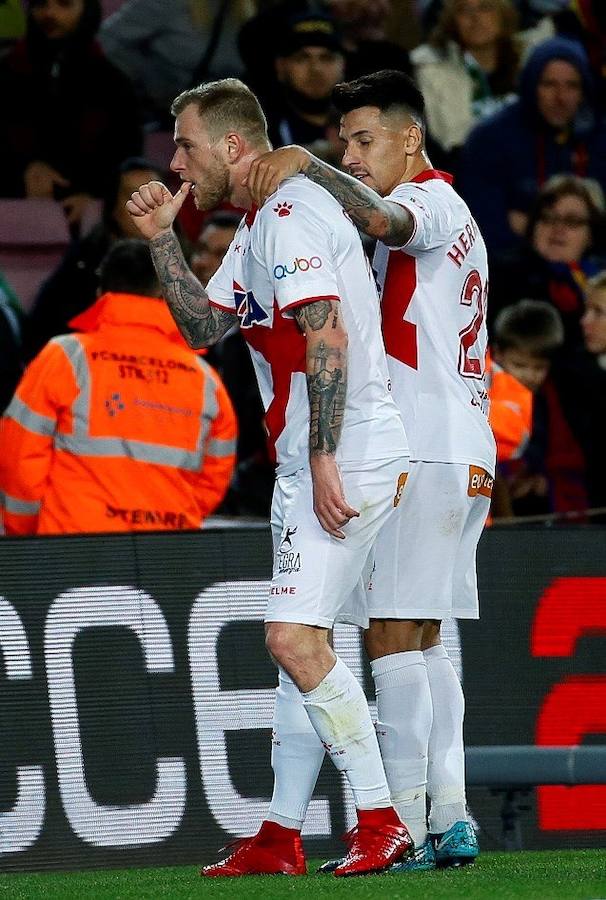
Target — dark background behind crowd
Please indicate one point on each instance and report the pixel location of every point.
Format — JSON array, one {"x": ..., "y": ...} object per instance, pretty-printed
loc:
[{"x": 516, "y": 110}]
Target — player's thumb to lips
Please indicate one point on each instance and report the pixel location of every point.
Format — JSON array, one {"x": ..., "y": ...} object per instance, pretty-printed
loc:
[{"x": 185, "y": 188}]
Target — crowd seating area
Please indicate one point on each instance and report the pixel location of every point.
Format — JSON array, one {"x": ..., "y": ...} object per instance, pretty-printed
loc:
[{"x": 516, "y": 110}]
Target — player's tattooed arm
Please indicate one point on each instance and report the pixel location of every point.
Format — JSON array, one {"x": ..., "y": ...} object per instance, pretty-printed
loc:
[
  {"x": 326, "y": 336},
  {"x": 200, "y": 323},
  {"x": 326, "y": 339},
  {"x": 381, "y": 219}
]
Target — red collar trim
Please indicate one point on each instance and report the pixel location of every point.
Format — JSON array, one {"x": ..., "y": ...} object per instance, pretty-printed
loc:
[
  {"x": 251, "y": 215},
  {"x": 428, "y": 174}
]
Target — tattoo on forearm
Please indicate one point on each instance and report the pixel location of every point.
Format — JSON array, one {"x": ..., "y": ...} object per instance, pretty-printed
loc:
[
  {"x": 368, "y": 211},
  {"x": 199, "y": 322},
  {"x": 326, "y": 374},
  {"x": 326, "y": 387}
]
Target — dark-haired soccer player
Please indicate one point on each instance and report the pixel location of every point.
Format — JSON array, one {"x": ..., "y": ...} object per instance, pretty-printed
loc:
[{"x": 432, "y": 271}]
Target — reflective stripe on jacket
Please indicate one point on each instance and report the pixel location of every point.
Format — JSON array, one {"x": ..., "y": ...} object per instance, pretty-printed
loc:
[{"x": 120, "y": 428}]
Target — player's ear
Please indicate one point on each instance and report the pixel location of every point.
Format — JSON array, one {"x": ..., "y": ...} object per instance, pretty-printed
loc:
[
  {"x": 414, "y": 140},
  {"x": 234, "y": 147}
]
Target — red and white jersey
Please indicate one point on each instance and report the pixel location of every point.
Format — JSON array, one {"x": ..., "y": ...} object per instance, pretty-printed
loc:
[
  {"x": 433, "y": 294},
  {"x": 298, "y": 248}
]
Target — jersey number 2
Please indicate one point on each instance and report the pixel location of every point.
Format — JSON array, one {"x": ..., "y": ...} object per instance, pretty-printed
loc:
[
  {"x": 400, "y": 336},
  {"x": 473, "y": 294}
]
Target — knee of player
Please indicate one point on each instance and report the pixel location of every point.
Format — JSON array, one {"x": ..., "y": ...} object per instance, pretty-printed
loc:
[
  {"x": 387, "y": 636},
  {"x": 431, "y": 634},
  {"x": 279, "y": 641},
  {"x": 287, "y": 643}
]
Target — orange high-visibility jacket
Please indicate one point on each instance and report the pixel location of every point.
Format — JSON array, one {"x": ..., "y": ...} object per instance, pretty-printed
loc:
[
  {"x": 120, "y": 428},
  {"x": 510, "y": 411}
]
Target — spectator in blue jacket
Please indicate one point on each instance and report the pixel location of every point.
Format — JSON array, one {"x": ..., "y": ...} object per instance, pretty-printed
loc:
[{"x": 554, "y": 127}]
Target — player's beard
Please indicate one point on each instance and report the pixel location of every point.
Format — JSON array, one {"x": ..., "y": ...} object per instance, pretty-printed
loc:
[{"x": 213, "y": 189}]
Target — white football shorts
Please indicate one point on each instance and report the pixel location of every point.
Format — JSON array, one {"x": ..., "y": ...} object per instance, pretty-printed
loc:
[
  {"x": 425, "y": 558},
  {"x": 314, "y": 574}
]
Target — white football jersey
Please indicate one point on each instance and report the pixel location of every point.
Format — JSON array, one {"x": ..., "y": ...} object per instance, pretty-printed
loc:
[
  {"x": 300, "y": 247},
  {"x": 433, "y": 294}
]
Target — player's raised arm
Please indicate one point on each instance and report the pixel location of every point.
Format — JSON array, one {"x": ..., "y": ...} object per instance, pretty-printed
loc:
[
  {"x": 326, "y": 358},
  {"x": 380, "y": 219},
  {"x": 154, "y": 209}
]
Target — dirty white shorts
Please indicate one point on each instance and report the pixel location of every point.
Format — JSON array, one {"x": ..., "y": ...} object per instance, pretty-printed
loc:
[{"x": 314, "y": 574}]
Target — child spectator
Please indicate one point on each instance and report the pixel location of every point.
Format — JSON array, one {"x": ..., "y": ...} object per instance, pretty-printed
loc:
[
  {"x": 510, "y": 414},
  {"x": 593, "y": 321},
  {"x": 550, "y": 477},
  {"x": 581, "y": 382},
  {"x": 510, "y": 418}
]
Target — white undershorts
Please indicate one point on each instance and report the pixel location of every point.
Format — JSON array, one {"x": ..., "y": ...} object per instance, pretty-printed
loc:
[
  {"x": 315, "y": 574},
  {"x": 425, "y": 559}
]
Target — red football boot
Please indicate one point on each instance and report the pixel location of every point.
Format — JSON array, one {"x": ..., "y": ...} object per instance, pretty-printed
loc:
[
  {"x": 274, "y": 850},
  {"x": 379, "y": 840}
]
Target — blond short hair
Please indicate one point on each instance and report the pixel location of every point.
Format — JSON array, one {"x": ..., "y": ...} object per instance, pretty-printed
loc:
[{"x": 226, "y": 105}]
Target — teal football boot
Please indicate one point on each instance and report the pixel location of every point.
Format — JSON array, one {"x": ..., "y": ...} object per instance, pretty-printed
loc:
[
  {"x": 422, "y": 860},
  {"x": 458, "y": 846}
]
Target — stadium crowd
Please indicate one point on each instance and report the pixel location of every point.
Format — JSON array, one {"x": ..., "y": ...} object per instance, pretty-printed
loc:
[{"x": 516, "y": 111}]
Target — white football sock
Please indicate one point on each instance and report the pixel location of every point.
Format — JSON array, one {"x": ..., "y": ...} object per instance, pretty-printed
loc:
[
  {"x": 446, "y": 771},
  {"x": 338, "y": 711},
  {"x": 297, "y": 754},
  {"x": 403, "y": 726}
]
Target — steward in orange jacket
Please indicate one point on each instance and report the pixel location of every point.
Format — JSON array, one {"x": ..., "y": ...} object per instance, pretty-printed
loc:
[{"x": 121, "y": 427}]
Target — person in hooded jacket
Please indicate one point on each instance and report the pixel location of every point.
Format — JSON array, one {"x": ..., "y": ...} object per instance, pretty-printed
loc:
[
  {"x": 69, "y": 117},
  {"x": 554, "y": 127},
  {"x": 120, "y": 427}
]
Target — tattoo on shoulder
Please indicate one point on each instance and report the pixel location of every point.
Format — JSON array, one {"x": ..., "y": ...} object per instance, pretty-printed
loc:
[
  {"x": 200, "y": 323},
  {"x": 373, "y": 215}
]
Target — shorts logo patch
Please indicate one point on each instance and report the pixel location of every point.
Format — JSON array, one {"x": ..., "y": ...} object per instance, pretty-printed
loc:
[
  {"x": 480, "y": 482},
  {"x": 289, "y": 563},
  {"x": 400, "y": 487},
  {"x": 289, "y": 560},
  {"x": 286, "y": 543}
]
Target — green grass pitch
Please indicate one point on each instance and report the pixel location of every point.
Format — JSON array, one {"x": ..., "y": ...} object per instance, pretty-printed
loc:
[{"x": 546, "y": 875}]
